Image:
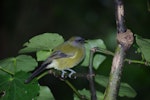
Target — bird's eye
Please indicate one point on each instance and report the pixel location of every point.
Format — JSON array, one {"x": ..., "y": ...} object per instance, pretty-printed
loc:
[{"x": 80, "y": 40}]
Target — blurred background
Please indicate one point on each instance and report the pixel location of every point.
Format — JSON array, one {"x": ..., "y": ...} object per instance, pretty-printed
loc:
[{"x": 22, "y": 19}]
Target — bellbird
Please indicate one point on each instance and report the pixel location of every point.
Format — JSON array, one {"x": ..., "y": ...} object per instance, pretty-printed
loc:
[{"x": 64, "y": 56}]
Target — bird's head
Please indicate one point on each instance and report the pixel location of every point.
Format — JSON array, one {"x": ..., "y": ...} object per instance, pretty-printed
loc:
[{"x": 76, "y": 40}]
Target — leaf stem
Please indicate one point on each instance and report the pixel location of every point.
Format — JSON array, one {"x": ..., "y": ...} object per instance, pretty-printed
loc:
[
  {"x": 75, "y": 90},
  {"x": 137, "y": 62},
  {"x": 6, "y": 71},
  {"x": 43, "y": 74},
  {"x": 107, "y": 52},
  {"x": 104, "y": 51}
]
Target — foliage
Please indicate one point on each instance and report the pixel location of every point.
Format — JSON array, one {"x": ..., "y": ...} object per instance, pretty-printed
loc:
[
  {"x": 45, "y": 94},
  {"x": 125, "y": 89},
  {"x": 14, "y": 70},
  {"x": 42, "y": 42},
  {"x": 144, "y": 47},
  {"x": 13, "y": 87}
]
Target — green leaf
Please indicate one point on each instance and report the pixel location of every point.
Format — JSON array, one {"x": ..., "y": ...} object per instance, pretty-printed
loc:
[
  {"x": 144, "y": 45},
  {"x": 86, "y": 93},
  {"x": 15, "y": 89},
  {"x": 125, "y": 89},
  {"x": 46, "y": 41},
  {"x": 42, "y": 55},
  {"x": 21, "y": 62},
  {"x": 45, "y": 94},
  {"x": 98, "y": 59},
  {"x": 102, "y": 80},
  {"x": 25, "y": 63}
]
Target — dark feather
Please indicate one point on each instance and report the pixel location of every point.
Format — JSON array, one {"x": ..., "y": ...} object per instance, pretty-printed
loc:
[{"x": 55, "y": 55}]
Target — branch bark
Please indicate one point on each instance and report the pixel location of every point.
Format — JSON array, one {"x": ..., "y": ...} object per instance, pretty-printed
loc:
[
  {"x": 91, "y": 78},
  {"x": 125, "y": 40}
]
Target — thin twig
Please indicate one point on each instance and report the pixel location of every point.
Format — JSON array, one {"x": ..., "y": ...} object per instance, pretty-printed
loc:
[
  {"x": 57, "y": 73},
  {"x": 104, "y": 51},
  {"x": 91, "y": 79},
  {"x": 107, "y": 52},
  {"x": 82, "y": 97},
  {"x": 41, "y": 75},
  {"x": 137, "y": 62}
]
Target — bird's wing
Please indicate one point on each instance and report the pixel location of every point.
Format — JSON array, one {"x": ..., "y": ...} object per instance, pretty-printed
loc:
[
  {"x": 54, "y": 55},
  {"x": 59, "y": 54}
]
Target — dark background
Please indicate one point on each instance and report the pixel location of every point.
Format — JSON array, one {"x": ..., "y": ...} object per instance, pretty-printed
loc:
[{"x": 22, "y": 19}]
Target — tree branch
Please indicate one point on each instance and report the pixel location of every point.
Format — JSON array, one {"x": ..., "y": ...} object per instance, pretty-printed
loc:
[
  {"x": 120, "y": 22},
  {"x": 90, "y": 78},
  {"x": 125, "y": 40}
]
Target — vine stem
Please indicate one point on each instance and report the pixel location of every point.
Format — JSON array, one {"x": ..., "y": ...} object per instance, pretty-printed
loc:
[
  {"x": 75, "y": 90},
  {"x": 43, "y": 74},
  {"x": 107, "y": 52}
]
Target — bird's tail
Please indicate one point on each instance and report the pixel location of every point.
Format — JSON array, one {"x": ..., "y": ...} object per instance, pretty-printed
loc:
[{"x": 36, "y": 73}]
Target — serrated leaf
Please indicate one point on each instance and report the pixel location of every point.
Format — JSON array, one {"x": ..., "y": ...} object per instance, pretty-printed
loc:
[
  {"x": 125, "y": 89},
  {"x": 21, "y": 62},
  {"x": 45, "y": 94},
  {"x": 144, "y": 45},
  {"x": 86, "y": 93},
  {"x": 15, "y": 89},
  {"x": 98, "y": 59},
  {"x": 44, "y": 41},
  {"x": 42, "y": 55}
]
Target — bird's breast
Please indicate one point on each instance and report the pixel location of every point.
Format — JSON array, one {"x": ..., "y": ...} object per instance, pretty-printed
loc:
[
  {"x": 53, "y": 64},
  {"x": 67, "y": 62}
]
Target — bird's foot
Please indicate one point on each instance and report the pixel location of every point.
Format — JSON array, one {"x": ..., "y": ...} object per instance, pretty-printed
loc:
[
  {"x": 63, "y": 73},
  {"x": 71, "y": 73}
]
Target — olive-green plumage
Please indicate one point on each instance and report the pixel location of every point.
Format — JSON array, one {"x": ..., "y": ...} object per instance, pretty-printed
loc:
[{"x": 63, "y": 57}]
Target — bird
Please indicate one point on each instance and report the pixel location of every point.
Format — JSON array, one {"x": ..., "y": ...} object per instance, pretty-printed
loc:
[{"x": 63, "y": 57}]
